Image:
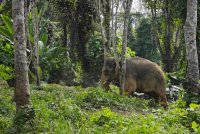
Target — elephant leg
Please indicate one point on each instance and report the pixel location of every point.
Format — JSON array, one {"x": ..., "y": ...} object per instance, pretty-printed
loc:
[
  {"x": 107, "y": 86},
  {"x": 155, "y": 96},
  {"x": 162, "y": 95},
  {"x": 130, "y": 87}
]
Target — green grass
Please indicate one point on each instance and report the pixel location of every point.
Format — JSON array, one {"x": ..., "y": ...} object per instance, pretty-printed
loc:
[{"x": 62, "y": 110}]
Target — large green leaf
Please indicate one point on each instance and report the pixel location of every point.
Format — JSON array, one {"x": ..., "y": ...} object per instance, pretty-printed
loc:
[
  {"x": 5, "y": 32},
  {"x": 39, "y": 14},
  {"x": 41, "y": 47},
  {"x": 193, "y": 105},
  {"x": 8, "y": 23},
  {"x": 50, "y": 50},
  {"x": 31, "y": 39},
  {"x": 44, "y": 38}
]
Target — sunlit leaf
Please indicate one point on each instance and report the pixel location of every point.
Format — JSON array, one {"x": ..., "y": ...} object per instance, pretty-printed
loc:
[
  {"x": 194, "y": 126},
  {"x": 193, "y": 105}
]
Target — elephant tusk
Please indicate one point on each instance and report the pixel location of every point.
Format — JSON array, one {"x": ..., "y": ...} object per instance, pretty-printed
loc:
[{"x": 103, "y": 82}]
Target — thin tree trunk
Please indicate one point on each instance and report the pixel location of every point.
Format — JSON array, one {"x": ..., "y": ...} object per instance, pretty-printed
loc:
[
  {"x": 166, "y": 48},
  {"x": 74, "y": 37},
  {"x": 114, "y": 31},
  {"x": 168, "y": 67},
  {"x": 104, "y": 16},
  {"x": 65, "y": 40},
  {"x": 22, "y": 87},
  {"x": 107, "y": 18},
  {"x": 74, "y": 31},
  {"x": 36, "y": 47},
  {"x": 29, "y": 46},
  {"x": 155, "y": 30},
  {"x": 101, "y": 19},
  {"x": 112, "y": 22},
  {"x": 178, "y": 49},
  {"x": 128, "y": 4},
  {"x": 190, "y": 39},
  {"x": 116, "y": 20}
]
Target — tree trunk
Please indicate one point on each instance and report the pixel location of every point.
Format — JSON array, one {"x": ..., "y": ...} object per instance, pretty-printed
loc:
[
  {"x": 155, "y": 30},
  {"x": 74, "y": 36},
  {"x": 105, "y": 8},
  {"x": 101, "y": 19},
  {"x": 36, "y": 47},
  {"x": 166, "y": 45},
  {"x": 22, "y": 87},
  {"x": 127, "y": 8},
  {"x": 168, "y": 67},
  {"x": 65, "y": 40},
  {"x": 190, "y": 40},
  {"x": 82, "y": 50},
  {"x": 29, "y": 46},
  {"x": 114, "y": 31}
]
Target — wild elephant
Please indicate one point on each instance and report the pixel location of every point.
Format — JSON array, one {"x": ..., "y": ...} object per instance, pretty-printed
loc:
[{"x": 141, "y": 76}]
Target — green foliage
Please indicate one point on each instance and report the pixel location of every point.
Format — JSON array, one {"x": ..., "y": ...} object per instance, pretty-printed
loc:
[
  {"x": 7, "y": 31},
  {"x": 7, "y": 109},
  {"x": 131, "y": 38},
  {"x": 94, "y": 56},
  {"x": 129, "y": 52},
  {"x": 8, "y": 23},
  {"x": 6, "y": 48},
  {"x": 167, "y": 31},
  {"x": 5, "y": 72},
  {"x": 5, "y": 7},
  {"x": 24, "y": 119},
  {"x": 6, "y": 42},
  {"x": 6, "y": 54},
  {"x": 95, "y": 50},
  {"x": 98, "y": 99},
  {"x": 61, "y": 109},
  {"x": 57, "y": 67},
  {"x": 144, "y": 46}
]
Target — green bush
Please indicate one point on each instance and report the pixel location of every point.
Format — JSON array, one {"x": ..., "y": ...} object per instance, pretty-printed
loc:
[
  {"x": 56, "y": 70},
  {"x": 97, "y": 98},
  {"x": 61, "y": 109}
]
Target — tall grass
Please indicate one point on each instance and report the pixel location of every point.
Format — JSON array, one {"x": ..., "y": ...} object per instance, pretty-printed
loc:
[{"x": 60, "y": 109}]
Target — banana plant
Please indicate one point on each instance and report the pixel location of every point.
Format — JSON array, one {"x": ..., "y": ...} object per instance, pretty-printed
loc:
[
  {"x": 6, "y": 32},
  {"x": 6, "y": 48},
  {"x": 6, "y": 37}
]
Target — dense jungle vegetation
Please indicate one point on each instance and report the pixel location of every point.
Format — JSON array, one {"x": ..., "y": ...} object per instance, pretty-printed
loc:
[{"x": 52, "y": 53}]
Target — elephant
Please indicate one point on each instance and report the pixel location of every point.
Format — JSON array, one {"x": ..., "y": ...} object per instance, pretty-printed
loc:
[{"x": 142, "y": 76}]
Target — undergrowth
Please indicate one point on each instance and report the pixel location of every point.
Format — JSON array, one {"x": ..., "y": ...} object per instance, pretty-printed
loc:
[{"x": 60, "y": 109}]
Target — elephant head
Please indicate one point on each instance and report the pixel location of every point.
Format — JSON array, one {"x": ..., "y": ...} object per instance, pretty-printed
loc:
[{"x": 110, "y": 72}]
